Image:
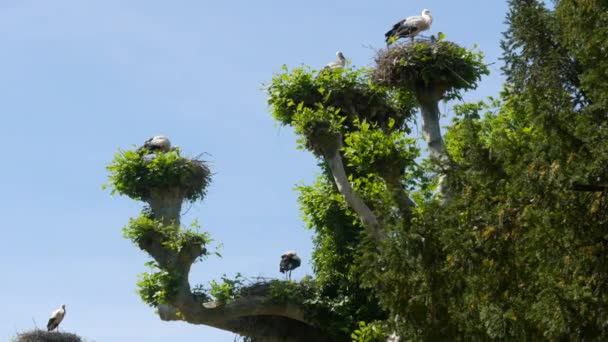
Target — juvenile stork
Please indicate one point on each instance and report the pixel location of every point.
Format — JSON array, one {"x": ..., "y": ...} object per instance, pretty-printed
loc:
[
  {"x": 56, "y": 318},
  {"x": 156, "y": 143},
  {"x": 409, "y": 27},
  {"x": 289, "y": 261},
  {"x": 338, "y": 63}
]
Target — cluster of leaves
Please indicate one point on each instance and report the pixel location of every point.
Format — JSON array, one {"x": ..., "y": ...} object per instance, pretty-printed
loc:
[
  {"x": 144, "y": 229},
  {"x": 423, "y": 65},
  {"x": 331, "y": 102},
  {"x": 368, "y": 332},
  {"x": 159, "y": 286},
  {"x": 228, "y": 289},
  {"x": 370, "y": 148},
  {"x": 134, "y": 174}
]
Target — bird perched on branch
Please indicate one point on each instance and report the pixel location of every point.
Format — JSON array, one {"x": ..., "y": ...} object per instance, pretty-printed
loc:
[
  {"x": 56, "y": 318},
  {"x": 409, "y": 27},
  {"x": 337, "y": 64},
  {"x": 156, "y": 143},
  {"x": 289, "y": 261}
]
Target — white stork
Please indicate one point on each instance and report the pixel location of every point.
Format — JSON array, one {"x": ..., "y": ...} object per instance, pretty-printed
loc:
[
  {"x": 156, "y": 143},
  {"x": 289, "y": 261},
  {"x": 409, "y": 27},
  {"x": 56, "y": 318},
  {"x": 337, "y": 64}
]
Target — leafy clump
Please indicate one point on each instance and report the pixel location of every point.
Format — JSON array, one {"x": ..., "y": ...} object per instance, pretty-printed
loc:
[
  {"x": 368, "y": 332},
  {"x": 442, "y": 66},
  {"x": 227, "y": 290},
  {"x": 290, "y": 291},
  {"x": 158, "y": 287},
  {"x": 144, "y": 230},
  {"x": 137, "y": 175},
  {"x": 369, "y": 148},
  {"x": 348, "y": 94}
]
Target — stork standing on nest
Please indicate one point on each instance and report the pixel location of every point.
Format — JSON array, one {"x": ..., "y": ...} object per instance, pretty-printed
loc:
[
  {"x": 56, "y": 318},
  {"x": 289, "y": 261},
  {"x": 338, "y": 63},
  {"x": 156, "y": 143},
  {"x": 409, "y": 27}
]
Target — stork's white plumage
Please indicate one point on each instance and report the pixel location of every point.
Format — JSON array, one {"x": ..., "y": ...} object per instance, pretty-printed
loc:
[
  {"x": 156, "y": 143},
  {"x": 56, "y": 318},
  {"x": 289, "y": 261},
  {"x": 337, "y": 64},
  {"x": 409, "y": 27}
]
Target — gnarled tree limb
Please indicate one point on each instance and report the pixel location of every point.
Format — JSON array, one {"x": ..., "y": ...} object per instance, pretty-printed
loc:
[{"x": 368, "y": 218}]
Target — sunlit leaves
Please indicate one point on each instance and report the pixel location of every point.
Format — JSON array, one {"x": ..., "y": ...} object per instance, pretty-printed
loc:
[
  {"x": 143, "y": 229},
  {"x": 134, "y": 174}
]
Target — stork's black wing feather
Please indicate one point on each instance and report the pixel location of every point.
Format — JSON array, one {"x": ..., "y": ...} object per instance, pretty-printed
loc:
[
  {"x": 392, "y": 31},
  {"x": 51, "y": 324}
]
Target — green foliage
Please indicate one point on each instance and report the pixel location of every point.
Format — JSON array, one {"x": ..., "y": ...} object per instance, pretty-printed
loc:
[
  {"x": 144, "y": 229},
  {"x": 227, "y": 290},
  {"x": 518, "y": 254},
  {"x": 441, "y": 66},
  {"x": 371, "y": 332},
  {"x": 304, "y": 99},
  {"x": 290, "y": 291},
  {"x": 157, "y": 287},
  {"x": 135, "y": 175},
  {"x": 369, "y": 148},
  {"x": 321, "y": 128}
]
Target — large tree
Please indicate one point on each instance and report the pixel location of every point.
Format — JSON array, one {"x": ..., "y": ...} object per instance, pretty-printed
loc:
[{"x": 499, "y": 232}]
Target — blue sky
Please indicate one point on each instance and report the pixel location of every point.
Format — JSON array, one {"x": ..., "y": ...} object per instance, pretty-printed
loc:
[{"x": 80, "y": 79}]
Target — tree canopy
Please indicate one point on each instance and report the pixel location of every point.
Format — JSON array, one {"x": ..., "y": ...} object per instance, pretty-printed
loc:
[{"x": 499, "y": 232}]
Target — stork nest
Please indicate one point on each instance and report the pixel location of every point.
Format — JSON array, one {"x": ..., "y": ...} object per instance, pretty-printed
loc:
[
  {"x": 137, "y": 175},
  {"x": 348, "y": 91},
  {"x": 418, "y": 66},
  {"x": 47, "y": 336}
]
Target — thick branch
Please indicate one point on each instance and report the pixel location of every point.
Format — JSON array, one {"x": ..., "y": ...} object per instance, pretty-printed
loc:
[
  {"x": 431, "y": 131},
  {"x": 368, "y": 218},
  {"x": 221, "y": 316},
  {"x": 166, "y": 204}
]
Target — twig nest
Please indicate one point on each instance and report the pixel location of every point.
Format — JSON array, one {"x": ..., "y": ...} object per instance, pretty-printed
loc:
[
  {"x": 148, "y": 178},
  {"x": 440, "y": 69},
  {"x": 47, "y": 336}
]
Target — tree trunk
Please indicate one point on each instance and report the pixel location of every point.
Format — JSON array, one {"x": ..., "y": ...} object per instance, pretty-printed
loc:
[
  {"x": 429, "y": 98},
  {"x": 166, "y": 205}
]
